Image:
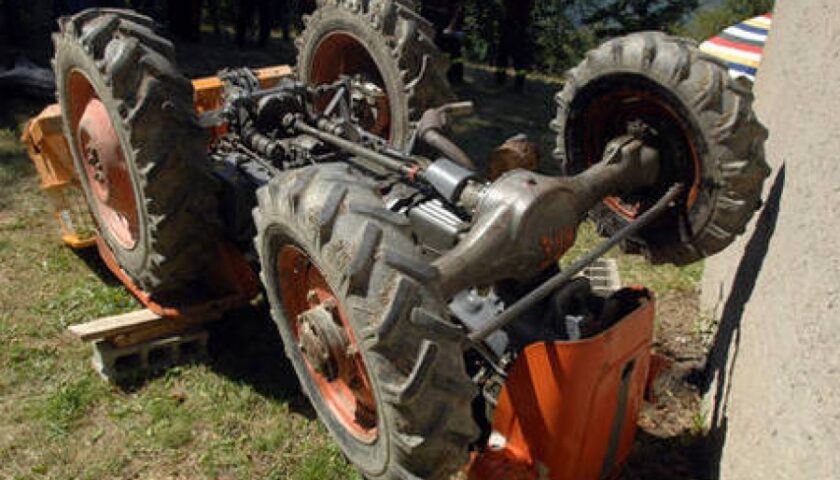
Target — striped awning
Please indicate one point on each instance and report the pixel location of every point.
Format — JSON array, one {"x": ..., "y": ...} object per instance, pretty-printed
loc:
[{"x": 741, "y": 45}]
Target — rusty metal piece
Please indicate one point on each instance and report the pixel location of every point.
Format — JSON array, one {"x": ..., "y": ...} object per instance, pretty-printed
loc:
[{"x": 516, "y": 153}]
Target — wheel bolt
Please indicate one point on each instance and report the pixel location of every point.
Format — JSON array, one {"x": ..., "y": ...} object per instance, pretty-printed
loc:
[{"x": 312, "y": 298}]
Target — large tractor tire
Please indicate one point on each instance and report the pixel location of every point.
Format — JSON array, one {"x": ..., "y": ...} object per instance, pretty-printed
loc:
[
  {"x": 363, "y": 325},
  {"x": 702, "y": 124},
  {"x": 128, "y": 118},
  {"x": 386, "y": 42}
]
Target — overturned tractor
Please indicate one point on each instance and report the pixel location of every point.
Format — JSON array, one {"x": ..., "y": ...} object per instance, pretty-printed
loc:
[{"x": 420, "y": 303}]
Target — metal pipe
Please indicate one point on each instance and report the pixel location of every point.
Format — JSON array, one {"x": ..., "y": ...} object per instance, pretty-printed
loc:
[
  {"x": 390, "y": 163},
  {"x": 431, "y": 126},
  {"x": 543, "y": 291}
]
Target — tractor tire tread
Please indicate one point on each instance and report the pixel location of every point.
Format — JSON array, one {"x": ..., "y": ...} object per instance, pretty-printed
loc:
[
  {"x": 720, "y": 109},
  {"x": 134, "y": 73},
  {"x": 416, "y": 366},
  {"x": 413, "y": 69}
]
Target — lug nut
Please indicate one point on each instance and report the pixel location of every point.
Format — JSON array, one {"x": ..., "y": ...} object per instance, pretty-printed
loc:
[{"x": 312, "y": 298}]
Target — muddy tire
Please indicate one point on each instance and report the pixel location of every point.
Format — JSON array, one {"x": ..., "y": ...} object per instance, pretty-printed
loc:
[
  {"x": 386, "y": 39},
  {"x": 707, "y": 135},
  {"x": 411, "y": 352},
  {"x": 113, "y": 59}
]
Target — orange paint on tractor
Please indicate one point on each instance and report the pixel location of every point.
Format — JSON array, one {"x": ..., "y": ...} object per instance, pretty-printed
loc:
[
  {"x": 568, "y": 410},
  {"x": 209, "y": 90}
]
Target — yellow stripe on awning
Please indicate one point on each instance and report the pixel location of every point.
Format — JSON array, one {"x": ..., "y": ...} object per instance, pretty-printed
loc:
[
  {"x": 729, "y": 55},
  {"x": 759, "y": 22}
]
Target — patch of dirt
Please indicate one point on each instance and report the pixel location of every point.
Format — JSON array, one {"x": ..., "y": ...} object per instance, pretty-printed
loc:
[{"x": 671, "y": 442}]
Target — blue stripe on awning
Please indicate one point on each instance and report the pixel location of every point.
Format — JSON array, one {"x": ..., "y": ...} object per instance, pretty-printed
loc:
[
  {"x": 742, "y": 68},
  {"x": 751, "y": 29}
]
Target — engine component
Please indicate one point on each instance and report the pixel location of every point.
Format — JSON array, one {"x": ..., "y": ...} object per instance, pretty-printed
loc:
[
  {"x": 448, "y": 178},
  {"x": 476, "y": 309},
  {"x": 437, "y": 228},
  {"x": 551, "y": 285},
  {"x": 534, "y": 218}
]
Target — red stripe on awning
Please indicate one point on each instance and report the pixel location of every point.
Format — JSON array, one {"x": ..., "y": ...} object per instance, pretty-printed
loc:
[{"x": 738, "y": 46}]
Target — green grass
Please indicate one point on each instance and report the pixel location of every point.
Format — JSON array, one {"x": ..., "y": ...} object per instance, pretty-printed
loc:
[
  {"x": 80, "y": 302},
  {"x": 68, "y": 404}
]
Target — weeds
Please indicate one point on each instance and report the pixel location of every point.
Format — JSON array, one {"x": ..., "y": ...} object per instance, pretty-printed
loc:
[
  {"x": 68, "y": 404},
  {"x": 82, "y": 301}
]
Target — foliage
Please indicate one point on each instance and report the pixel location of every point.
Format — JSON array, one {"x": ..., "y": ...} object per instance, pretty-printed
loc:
[
  {"x": 560, "y": 40},
  {"x": 619, "y": 17},
  {"x": 564, "y": 30},
  {"x": 482, "y": 23},
  {"x": 709, "y": 22}
]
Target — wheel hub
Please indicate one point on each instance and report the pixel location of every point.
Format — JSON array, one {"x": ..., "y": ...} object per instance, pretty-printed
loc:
[
  {"x": 322, "y": 340},
  {"x": 327, "y": 343}
]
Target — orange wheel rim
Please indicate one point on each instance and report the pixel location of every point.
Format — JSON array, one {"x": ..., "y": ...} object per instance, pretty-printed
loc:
[
  {"x": 106, "y": 172},
  {"x": 346, "y": 389},
  {"x": 343, "y": 54}
]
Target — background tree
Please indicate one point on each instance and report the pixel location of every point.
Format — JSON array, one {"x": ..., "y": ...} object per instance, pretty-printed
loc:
[
  {"x": 709, "y": 22},
  {"x": 611, "y": 18}
]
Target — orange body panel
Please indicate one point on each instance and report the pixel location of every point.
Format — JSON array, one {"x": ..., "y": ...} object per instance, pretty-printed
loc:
[
  {"x": 231, "y": 281},
  {"x": 208, "y": 90},
  {"x": 48, "y": 151},
  {"x": 568, "y": 410}
]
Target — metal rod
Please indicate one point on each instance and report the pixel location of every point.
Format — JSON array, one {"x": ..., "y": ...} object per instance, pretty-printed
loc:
[
  {"x": 334, "y": 102},
  {"x": 388, "y": 162},
  {"x": 540, "y": 293}
]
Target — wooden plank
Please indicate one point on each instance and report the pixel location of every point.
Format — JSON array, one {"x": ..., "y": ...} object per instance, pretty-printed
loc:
[
  {"x": 116, "y": 325},
  {"x": 166, "y": 327}
]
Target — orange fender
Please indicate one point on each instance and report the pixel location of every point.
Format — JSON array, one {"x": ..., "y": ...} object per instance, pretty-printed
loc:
[{"x": 568, "y": 410}]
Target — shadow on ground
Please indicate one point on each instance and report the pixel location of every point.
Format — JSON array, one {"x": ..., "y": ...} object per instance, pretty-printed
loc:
[{"x": 246, "y": 347}]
